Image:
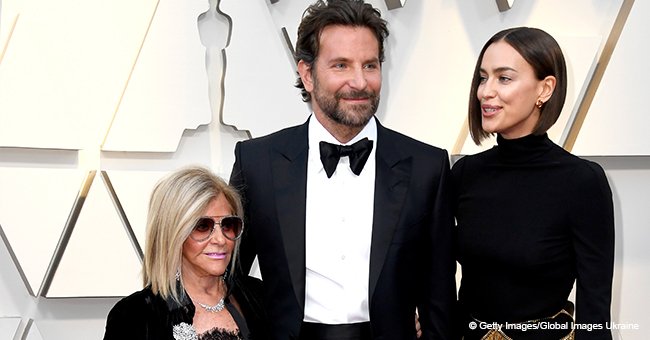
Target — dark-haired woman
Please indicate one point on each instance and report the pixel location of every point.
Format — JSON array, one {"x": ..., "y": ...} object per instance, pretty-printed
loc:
[{"x": 532, "y": 219}]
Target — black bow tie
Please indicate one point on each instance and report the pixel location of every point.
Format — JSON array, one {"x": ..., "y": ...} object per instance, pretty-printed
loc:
[{"x": 358, "y": 153}]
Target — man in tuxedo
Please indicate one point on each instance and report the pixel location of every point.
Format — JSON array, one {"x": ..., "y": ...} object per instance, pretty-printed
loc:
[{"x": 350, "y": 221}]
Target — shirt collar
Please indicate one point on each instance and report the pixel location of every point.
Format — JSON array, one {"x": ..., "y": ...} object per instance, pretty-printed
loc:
[{"x": 318, "y": 133}]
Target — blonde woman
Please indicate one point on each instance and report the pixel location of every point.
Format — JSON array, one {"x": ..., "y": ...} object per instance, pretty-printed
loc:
[{"x": 191, "y": 286}]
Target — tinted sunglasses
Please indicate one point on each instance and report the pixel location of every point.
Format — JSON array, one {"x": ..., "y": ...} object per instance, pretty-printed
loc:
[{"x": 231, "y": 227}]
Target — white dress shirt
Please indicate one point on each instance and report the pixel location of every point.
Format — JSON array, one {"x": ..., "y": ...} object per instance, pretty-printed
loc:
[{"x": 339, "y": 216}]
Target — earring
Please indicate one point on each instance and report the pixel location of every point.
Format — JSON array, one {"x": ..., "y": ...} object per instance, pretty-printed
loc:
[
  {"x": 178, "y": 274},
  {"x": 539, "y": 103}
]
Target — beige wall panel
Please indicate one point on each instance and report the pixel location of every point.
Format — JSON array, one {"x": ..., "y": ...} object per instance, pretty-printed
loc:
[
  {"x": 630, "y": 187},
  {"x": 13, "y": 291},
  {"x": 9, "y": 327},
  {"x": 202, "y": 146},
  {"x": 427, "y": 71},
  {"x": 34, "y": 206},
  {"x": 8, "y": 18},
  {"x": 65, "y": 68},
  {"x": 33, "y": 333},
  {"x": 260, "y": 72},
  {"x": 133, "y": 189},
  {"x": 81, "y": 327},
  {"x": 99, "y": 259},
  {"x": 617, "y": 121},
  {"x": 168, "y": 89}
]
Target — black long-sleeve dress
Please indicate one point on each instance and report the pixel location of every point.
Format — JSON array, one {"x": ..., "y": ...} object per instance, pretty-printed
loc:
[{"x": 531, "y": 219}]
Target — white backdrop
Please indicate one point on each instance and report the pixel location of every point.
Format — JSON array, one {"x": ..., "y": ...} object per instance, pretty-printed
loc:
[{"x": 99, "y": 99}]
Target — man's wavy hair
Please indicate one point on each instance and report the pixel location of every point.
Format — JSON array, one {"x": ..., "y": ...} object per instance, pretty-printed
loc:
[{"x": 321, "y": 14}]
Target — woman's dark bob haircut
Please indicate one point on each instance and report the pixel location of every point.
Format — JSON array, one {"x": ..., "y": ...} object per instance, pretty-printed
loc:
[{"x": 543, "y": 53}]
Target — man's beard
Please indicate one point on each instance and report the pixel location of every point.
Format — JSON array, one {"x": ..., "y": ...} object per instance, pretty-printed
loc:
[{"x": 356, "y": 115}]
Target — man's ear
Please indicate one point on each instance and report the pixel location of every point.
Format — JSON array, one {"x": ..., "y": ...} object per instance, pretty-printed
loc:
[{"x": 304, "y": 70}]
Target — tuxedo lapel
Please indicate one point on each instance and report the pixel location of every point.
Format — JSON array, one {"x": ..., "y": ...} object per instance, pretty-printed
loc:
[
  {"x": 289, "y": 173},
  {"x": 391, "y": 184}
]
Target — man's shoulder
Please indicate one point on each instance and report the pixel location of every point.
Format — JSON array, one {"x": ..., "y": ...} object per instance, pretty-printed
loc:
[
  {"x": 281, "y": 136},
  {"x": 410, "y": 144}
]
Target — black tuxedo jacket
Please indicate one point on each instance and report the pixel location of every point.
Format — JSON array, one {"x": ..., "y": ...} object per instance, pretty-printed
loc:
[{"x": 411, "y": 260}]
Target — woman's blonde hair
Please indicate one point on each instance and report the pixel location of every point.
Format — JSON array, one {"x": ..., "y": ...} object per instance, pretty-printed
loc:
[{"x": 177, "y": 202}]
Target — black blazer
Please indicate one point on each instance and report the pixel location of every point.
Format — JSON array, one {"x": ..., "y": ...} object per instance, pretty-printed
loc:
[
  {"x": 144, "y": 315},
  {"x": 411, "y": 260}
]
